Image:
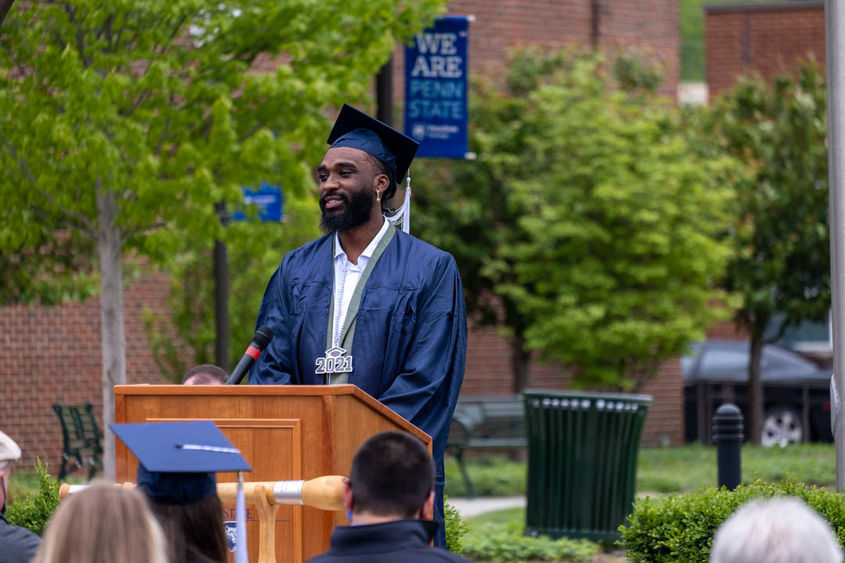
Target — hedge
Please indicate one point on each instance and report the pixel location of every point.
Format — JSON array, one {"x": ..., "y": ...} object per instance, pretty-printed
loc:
[{"x": 681, "y": 527}]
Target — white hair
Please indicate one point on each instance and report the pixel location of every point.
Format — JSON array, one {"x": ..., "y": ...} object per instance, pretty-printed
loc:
[{"x": 777, "y": 530}]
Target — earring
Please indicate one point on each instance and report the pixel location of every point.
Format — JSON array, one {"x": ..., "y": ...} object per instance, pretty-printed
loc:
[{"x": 378, "y": 197}]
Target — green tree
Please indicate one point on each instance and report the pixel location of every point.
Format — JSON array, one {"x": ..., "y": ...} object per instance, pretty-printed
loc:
[
  {"x": 125, "y": 121},
  {"x": 781, "y": 269},
  {"x": 463, "y": 206},
  {"x": 588, "y": 219},
  {"x": 254, "y": 251}
]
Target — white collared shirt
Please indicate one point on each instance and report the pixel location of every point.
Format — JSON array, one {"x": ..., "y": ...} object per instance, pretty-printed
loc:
[{"x": 346, "y": 277}]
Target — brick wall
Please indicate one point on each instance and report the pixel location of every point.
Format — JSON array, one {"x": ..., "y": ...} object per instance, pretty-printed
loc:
[
  {"x": 763, "y": 39},
  {"x": 650, "y": 27},
  {"x": 53, "y": 354}
]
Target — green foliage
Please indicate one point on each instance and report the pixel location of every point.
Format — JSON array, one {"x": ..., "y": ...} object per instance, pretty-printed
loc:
[
  {"x": 622, "y": 252},
  {"x": 456, "y": 528},
  {"x": 254, "y": 250},
  {"x": 781, "y": 267},
  {"x": 681, "y": 528},
  {"x": 588, "y": 226},
  {"x": 782, "y": 260},
  {"x": 33, "y": 511},
  {"x": 505, "y": 542},
  {"x": 634, "y": 71}
]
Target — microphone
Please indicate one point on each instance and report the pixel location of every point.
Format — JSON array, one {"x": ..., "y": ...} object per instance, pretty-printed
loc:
[{"x": 262, "y": 338}]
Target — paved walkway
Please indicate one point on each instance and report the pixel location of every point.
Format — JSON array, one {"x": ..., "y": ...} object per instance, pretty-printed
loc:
[{"x": 473, "y": 507}]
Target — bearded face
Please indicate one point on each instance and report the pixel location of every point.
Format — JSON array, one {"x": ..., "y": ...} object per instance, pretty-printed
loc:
[{"x": 346, "y": 211}]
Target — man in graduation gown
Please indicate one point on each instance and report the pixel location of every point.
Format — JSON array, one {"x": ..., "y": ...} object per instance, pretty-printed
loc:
[{"x": 366, "y": 303}]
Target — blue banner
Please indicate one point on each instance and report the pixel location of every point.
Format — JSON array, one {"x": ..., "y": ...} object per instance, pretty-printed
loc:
[
  {"x": 269, "y": 200},
  {"x": 436, "y": 71}
]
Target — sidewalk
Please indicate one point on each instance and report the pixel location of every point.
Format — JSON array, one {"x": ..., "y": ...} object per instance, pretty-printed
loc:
[{"x": 468, "y": 507}]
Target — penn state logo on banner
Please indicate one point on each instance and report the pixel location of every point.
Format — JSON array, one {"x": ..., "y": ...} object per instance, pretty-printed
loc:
[{"x": 436, "y": 79}]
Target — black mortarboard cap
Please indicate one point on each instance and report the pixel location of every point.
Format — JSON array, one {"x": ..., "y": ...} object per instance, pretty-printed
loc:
[
  {"x": 354, "y": 128},
  {"x": 178, "y": 460}
]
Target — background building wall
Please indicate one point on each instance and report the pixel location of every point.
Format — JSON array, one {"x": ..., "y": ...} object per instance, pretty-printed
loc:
[
  {"x": 760, "y": 39},
  {"x": 53, "y": 354}
]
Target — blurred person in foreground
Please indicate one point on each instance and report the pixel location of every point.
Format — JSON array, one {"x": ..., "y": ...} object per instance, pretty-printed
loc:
[
  {"x": 103, "y": 524},
  {"x": 367, "y": 303},
  {"x": 205, "y": 374},
  {"x": 177, "y": 465},
  {"x": 389, "y": 500},
  {"x": 16, "y": 544},
  {"x": 776, "y": 530}
]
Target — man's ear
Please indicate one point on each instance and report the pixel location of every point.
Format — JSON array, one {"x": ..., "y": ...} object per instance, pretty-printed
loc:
[
  {"x": 427, "y": 511},
  {"x": 381, "y": 183},
  {"x": 348, "y": 501}
]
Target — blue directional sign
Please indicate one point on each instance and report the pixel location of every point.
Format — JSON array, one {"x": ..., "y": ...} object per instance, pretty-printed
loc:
[
  {"x": 268, "y": 198},
  {"x": 436, "y": 71}
]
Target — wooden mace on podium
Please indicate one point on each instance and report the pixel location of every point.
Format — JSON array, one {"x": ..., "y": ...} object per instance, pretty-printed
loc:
[{"x": 285, "y": 432}]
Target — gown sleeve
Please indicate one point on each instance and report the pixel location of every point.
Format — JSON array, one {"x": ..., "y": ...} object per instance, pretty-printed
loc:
[{"x": 426, "y": 388}]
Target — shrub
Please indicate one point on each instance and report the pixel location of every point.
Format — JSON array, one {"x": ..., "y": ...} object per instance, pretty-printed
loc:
[
  {"x": 505, "y": 542},
  {"x": 456, "y": 528},
  {"x": 681, "y": 527},
  {"x": 33, "y": 511}
]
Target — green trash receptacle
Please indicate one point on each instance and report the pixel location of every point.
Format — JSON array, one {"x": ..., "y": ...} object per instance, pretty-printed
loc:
[{"x": 582, "y": 461}]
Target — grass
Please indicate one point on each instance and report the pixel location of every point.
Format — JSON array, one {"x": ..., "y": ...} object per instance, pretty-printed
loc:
[
  {"x": 672, "y": 470},
  {"x": 493, "y": 476},
  {"x": 504, "y": 516},
  {"x": 665, "y": 470},
  {"x": 23, "y": 484}
]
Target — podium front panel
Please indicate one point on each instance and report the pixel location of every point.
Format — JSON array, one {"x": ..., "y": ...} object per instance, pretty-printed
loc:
[{"x": 284, "y": 432}]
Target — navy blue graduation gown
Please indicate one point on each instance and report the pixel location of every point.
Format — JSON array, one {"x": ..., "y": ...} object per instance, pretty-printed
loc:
[{"x": 409, "y": 347}]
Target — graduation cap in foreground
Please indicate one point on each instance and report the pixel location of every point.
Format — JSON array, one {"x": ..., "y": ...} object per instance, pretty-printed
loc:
[
  {"x": 177, "y": 460},
  {"x": 355, "y": 129}
]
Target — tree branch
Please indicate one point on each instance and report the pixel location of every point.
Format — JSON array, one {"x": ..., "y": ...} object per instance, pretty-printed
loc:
[
  {"x": 80, "y": 34},
  {"x": 129, "y": 234},
  {"x": 162, "y": 137},
  {"x": 5, "y": 6},
  {"x": 252, "y": 131}
]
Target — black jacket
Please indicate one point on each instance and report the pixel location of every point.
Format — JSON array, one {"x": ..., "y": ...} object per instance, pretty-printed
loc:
[
  {"x": 17, "y": 545},
  {"x": 404, "y": 540}
]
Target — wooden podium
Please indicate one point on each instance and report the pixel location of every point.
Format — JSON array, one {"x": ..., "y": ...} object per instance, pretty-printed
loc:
[{"x": 284, "y": 432}]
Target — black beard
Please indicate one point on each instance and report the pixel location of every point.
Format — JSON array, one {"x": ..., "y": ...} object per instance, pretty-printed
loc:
[{"x": 356, "y": 212}]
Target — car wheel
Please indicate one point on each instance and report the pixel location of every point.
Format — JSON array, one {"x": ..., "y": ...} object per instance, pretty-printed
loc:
[{"x": 782, "y": 426}]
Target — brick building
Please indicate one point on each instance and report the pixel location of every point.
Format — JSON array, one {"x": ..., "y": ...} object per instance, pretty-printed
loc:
[
  {"x": 49, "y": 355},
  {"x": 762, "y": 39}
]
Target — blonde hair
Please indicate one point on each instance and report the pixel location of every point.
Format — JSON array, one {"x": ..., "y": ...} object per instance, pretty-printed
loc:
[{"x": 101, "y": 524}]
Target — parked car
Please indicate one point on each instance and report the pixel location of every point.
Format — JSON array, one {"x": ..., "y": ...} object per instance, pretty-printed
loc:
[{"x": 796, "y": 391}]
